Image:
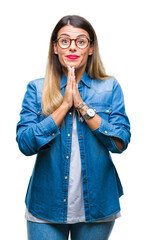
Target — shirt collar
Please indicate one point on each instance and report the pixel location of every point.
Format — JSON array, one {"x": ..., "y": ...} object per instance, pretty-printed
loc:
[{"x": 85, "y": 79}]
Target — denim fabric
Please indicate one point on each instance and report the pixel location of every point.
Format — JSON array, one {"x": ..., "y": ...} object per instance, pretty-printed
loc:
[
  {"x": 78, "y": 231},
  {"x": 47, "y": 192}
]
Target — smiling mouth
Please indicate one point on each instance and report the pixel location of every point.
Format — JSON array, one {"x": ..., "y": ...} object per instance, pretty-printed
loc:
[{"x": 72, "y": 56}]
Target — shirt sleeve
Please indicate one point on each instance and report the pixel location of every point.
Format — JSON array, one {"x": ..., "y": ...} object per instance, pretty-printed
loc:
[
  {"x": 118, "y": 124},
  {"x": 33, "y": 135}
]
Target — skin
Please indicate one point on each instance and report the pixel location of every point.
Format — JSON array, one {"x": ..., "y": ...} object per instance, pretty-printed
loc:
[
  {"x": 74, "y": 70},
  {"x": 80, "y": 63}
]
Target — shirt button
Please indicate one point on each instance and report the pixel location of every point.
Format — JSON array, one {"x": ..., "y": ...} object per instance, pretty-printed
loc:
[
  {"x": 85, "y": 178},
  {"x": 64, "y": 200},
  {"x": 53, "y": 134},
  {"x": 38, "y": 112},
  {"x": 106, "y": 132},
  {"x": 68, "y": 134},
  {"x": 65, "y": 177},
  {"x": 83, "y": 157},
  {"x": 67, "y": 157},
  {"x": 107, "y": 110},
  {"x": 70, "y": 113},
  {"x": 81, "y": 135},
  {"x": 86, "y": 200}
]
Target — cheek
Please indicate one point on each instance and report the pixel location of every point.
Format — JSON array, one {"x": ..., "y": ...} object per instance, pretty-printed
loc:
[
  {"x": 62, "y": 58},
  {"x": 60, "y": 55},
  {"x": 85, "y": 56}
]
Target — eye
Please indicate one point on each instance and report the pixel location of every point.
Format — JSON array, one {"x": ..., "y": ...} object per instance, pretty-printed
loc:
[
  {"x": 82, "y": 42},
  {"x": 64, "y": 41}
]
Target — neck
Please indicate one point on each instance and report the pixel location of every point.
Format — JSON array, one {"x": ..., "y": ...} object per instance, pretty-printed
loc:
[{"x": 78, "y": 73}]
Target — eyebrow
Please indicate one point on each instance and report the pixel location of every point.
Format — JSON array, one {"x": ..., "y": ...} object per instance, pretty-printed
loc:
[{"x": 81, "y": 35}]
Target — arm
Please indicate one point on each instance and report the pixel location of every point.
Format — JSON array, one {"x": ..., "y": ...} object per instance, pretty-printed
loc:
[
  {"x": 95, "y": 122},
  {"x": 115, "y": 133},
  {"x": 32, "y": 134}
]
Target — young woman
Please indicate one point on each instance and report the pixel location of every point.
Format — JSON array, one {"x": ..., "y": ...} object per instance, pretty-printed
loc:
[{"x": 72, "y": 119}]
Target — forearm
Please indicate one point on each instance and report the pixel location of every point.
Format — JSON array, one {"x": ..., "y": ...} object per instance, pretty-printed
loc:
[
  {"x": 95, "y": 122},
  {"x": 59, "y": 114}
]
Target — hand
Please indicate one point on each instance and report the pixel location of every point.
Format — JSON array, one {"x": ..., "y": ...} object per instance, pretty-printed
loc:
[
  {"x": 68, "y": 97},
  {"x": 76, "y": 95},
  {"x": 72, "y": 95}
]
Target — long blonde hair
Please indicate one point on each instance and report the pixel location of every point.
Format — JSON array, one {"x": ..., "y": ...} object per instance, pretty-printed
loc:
[{"x": 51, "y": 96}]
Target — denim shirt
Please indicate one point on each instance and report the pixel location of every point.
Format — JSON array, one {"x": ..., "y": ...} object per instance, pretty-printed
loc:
[{"x": 47, "y": 192}]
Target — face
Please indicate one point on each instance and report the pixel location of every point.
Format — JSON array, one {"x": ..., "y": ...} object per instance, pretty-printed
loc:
[{"x": 73, "y": 56}]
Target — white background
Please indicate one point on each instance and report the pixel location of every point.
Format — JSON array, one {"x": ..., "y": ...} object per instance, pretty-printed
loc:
[{"x": 25, "y": 32}]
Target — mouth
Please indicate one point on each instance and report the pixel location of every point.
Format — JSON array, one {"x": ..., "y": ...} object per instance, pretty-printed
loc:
[{"x": 72, "y": 56}]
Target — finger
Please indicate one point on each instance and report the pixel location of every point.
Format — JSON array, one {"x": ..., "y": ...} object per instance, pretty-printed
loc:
[
  {"x": 69, "y": 75},
  {"x": 72, "y": 77},
  {"x": 69, "y": 71},
  {"x": 73, "y": 72},
  {"x": 74, "y": 83}
]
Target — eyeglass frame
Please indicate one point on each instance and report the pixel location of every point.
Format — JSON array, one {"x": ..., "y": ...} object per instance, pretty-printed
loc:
[{"x": 89, "y": 40}]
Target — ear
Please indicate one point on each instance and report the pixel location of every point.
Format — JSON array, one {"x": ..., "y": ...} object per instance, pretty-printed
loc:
[
  {"x": 55, "y": 48},
  {"x": 91, "y": 49}
]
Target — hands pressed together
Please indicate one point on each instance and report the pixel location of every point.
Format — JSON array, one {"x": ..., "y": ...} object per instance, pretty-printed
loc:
[{"x": 72, "y": 95}]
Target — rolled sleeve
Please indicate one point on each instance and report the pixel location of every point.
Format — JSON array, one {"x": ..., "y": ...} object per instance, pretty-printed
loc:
[
  {"x": 107, "y": 131},
  {"x": 118, "y": 124},
  {"x": 49, "y": 127}
]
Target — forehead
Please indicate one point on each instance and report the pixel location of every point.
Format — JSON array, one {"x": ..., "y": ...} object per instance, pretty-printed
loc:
[{"x": 72, "y": 31}]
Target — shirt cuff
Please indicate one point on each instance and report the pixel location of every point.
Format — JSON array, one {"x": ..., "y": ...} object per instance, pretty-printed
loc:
[
  {"x": 106, "y": 132},
  {"x": 49, "y": 127}
]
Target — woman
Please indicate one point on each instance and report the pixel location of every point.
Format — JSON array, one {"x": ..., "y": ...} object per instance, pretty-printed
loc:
[{"x": 72, "y": 119}]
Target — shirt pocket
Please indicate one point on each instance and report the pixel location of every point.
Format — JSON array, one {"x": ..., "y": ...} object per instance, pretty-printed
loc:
[{"x": 103, "y": 111}]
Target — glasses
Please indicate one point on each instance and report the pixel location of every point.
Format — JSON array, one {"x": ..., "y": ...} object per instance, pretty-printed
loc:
[{"x": 81, "y": 42}]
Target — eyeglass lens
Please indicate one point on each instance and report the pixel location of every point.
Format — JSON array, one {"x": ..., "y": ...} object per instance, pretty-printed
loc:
[{"x": 65, "y": 42}]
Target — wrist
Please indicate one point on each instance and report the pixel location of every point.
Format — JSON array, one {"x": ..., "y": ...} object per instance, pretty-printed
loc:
[
  {"x": 87, "y": 112},
  {"x": 65, "y": 106},
  {"x": 79, "y": 105},
  {"x": 83, "y": 110},
  {"x": 82, "y": 107}
]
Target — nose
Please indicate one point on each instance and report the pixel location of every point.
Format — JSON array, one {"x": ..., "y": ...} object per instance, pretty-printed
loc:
[{"x": 73, "y": 45}]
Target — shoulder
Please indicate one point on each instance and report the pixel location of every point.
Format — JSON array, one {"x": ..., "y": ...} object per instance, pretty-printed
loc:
[
  {"x": 36, "y": 84},
  {"x": 107, "y": 85},
  {"x": 34, "y": 90}
]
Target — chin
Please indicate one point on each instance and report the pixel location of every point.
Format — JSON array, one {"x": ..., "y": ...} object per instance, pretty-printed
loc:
[
  {"x": 71, "y": 63},
  {"x": 75, "y": 65}
]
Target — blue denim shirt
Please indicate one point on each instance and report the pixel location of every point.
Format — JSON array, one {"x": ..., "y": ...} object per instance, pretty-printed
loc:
[{"x": 47, "y": 194}]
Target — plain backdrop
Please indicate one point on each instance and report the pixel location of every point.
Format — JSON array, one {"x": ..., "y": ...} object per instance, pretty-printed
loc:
[{"x": 25, "y": 33}]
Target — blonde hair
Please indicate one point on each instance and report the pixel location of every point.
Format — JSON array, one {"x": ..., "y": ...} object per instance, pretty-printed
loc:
[{"x": 52, "y": 97}]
